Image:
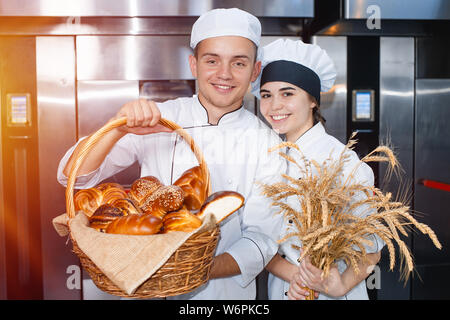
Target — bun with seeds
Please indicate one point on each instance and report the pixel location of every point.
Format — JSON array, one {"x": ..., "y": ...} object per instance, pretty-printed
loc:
[
  {"x": 143, "y": 187},
  {"x": 163, "y": 200}
]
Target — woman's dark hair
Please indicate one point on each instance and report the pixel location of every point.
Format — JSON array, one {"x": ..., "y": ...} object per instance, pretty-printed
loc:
[{"x": 317, "y": 116}]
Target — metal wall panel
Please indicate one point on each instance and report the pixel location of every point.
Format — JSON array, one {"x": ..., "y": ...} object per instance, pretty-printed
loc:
[
  {"x": 396, "y": 126},
  {"x": 2, "y": 221},
  {"x": 432, "y": 146},
  {"x": 397, "y": 103},
  {"x": 21, "y": 170},
  {"x": 398, "y": 9},
  {"x": 132, "y": 8},
  {"x": 334, "y": 102},
  {"x": 128, "y": 25},
  {"x": 99, "y": 101},
  {"x": 433, "y": 283},
  {"x": 133, "y": 57},
  {"x": 432, "y": 154},
  {"x": 55, "y": 62},
  {"x": 102, "y": 98}
]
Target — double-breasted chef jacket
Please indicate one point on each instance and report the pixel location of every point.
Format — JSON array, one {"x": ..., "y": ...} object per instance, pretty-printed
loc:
[
  {"x": 236, "y": 152},
  {"x": 318, "y": 145}
]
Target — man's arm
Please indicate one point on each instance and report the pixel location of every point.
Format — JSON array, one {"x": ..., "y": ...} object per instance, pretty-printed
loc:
[
  {"x": 224, "y": 266},
  {"x": 260, "y": 225},
  {"x": 96, "y": 155},
  {"x": 142, "y": 118}
]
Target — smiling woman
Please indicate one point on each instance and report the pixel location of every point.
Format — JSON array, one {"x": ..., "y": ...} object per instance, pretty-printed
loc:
[
  {"x": 288, "y": 108},
  {"x": 294, "y": 73}
]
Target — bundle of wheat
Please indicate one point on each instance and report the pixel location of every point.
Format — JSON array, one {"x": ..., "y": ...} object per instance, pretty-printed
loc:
[{"x": 324, "y": 221}]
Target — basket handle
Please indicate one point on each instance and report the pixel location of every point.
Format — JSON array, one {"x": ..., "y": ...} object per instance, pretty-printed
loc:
[{"x": 95, "y": 137}]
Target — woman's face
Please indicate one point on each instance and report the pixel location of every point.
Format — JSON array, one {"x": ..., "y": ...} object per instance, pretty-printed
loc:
[{"x": 287, "y": 108}]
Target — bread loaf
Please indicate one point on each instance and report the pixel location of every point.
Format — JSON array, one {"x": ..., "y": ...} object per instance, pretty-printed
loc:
[
  {"x": 127, "y": 206},
  {"x": 181, "y": 220},
  {"x": 163, "y": 200},
  {"x": 88, "y": 200},
  {"x": 194, "y": 186},
  {"x": 135, "y": 225},
  {"x": 143, "y": 187},
  {"x": 221, "y": 204},
  {"x": 111, "y": 191},
  {"x": 104, "y": 215}
]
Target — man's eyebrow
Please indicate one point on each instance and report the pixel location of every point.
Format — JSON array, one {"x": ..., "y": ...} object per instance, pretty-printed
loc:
[
  {"x": 264, "y": 90},
  {"x": 240, "y": 56},
  {"x": 210, "y": 54}
]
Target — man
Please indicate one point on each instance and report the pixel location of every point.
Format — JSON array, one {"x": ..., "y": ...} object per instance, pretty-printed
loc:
[{"x": 233, "y": 141}]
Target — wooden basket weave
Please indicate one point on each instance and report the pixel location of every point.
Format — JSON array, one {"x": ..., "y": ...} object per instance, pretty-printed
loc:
[{"x": 187, "y": 268}]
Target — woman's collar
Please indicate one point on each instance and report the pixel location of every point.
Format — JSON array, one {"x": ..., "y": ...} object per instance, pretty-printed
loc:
[{"x": 312, "y": 134}]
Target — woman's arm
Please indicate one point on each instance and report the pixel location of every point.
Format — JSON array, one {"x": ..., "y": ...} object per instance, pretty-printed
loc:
[{"x": 281, "y": 268}]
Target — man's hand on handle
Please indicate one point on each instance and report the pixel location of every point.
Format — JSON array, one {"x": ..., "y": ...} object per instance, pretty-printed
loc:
[{"x": 142, "y": 117}]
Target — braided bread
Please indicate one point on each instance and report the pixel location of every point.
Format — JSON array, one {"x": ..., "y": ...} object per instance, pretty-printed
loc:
[
  {"x": 127, "y": 206},
  {"x": 194, "y": 186},
  {"x": 135, "y": 225},
  {"x": 88, "y": 200},
  {"x": 181, "y": 220},
  {"x": 103, "y": 216},
  {"x": 111, "y": 191}
]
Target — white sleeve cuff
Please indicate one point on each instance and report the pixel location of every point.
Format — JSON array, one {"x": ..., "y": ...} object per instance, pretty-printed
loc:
[
  {"x": 252, "y": 253},
  {"x": 83, "y": 181}
]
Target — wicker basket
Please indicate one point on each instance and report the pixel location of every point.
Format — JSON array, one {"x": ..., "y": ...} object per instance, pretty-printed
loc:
[{"x": 187, "y": 268}]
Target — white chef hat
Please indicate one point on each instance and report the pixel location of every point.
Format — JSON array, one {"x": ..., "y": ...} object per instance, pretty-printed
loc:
[
  {"x": 226, "y": 22},
  {"x": 305, "y": 65}
]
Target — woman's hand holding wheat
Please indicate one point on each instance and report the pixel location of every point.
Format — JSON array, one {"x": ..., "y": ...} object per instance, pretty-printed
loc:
[{"x": 312, "y": 277}]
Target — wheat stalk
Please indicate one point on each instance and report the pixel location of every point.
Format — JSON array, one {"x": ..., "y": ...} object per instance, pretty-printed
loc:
[{"x": 325, "y": 221}]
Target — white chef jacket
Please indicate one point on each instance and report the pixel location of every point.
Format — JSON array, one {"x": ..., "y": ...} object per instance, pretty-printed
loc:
[
  {"x": 235, "y": 151},
  {"x": 318, "y": 145}
]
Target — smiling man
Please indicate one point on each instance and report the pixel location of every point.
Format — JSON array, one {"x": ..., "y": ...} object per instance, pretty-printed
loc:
[
  {"x": 234, "y": 143},
  {"x": 224, "y": 66}
]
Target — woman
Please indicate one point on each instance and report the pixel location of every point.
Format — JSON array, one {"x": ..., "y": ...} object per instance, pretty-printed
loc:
[{"x": 293, "y": 75}]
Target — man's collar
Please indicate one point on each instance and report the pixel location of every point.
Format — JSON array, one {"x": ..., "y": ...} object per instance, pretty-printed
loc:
[{"x": 201, "y": 114}]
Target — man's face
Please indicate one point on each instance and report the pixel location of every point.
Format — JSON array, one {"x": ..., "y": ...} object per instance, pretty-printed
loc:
[{"x": 224, "y": 68}]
